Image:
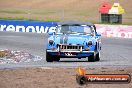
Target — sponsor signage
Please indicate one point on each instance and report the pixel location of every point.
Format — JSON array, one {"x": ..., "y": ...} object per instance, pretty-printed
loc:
[
  {"x": 123, "y": 31},
  {"x": 103, "y": 78},
  {"x": 83, "y": 78},
  {"x": 27, "y": 26}
]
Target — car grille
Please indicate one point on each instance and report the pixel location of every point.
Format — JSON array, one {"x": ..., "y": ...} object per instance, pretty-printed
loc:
[{"x": 71, "y": 47}]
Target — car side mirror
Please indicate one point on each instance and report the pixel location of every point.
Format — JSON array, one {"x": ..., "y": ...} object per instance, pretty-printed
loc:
[
  {"x": 98, "y": 34},
  {"x": 51, "y": 33}
]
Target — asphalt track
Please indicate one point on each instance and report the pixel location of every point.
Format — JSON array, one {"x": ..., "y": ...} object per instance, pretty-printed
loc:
[{"x": 115, "y": 51}]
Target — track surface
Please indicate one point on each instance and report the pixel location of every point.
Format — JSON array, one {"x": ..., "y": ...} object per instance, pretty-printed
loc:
[{"x": 115, "y": 51}]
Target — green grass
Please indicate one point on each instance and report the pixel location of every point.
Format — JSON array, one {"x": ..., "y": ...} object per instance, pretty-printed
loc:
[
  {"x": 22, "y": 18},
  {"x": 46, "y": 15},
  {"x": 13, "y": 11},
  {"x": 59, "y": 10},
  {"x": 56, "y": 20},
  {"x": 51, "y": 16},
  {"x": 17, "y": 18}
]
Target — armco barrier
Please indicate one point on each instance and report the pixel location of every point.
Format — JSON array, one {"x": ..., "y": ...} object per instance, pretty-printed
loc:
[
  {"x": 27, "y": 26},
  {"x": 123, "y": 31}
]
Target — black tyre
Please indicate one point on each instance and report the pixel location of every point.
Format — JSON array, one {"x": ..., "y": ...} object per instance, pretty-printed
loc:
[
  {"x": 49, "y": 57},
  {"x": 91, "y": 58},
  {"x": 81, "y": 80},
  {"x": 56, "y": 59},
  {"x": 94, "y": 58},
  {"x": 97, "y": 57}
]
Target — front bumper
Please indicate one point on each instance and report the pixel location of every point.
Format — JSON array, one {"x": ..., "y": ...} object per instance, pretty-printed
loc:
[
  {"x": 77, "y": 54},
  {"x": 71, "y": 51}
]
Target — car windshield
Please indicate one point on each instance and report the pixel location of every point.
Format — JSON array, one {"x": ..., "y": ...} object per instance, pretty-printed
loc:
[{"x": 75, "y": 29}]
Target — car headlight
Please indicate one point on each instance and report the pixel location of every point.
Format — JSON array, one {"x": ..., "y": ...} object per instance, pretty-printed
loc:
[
  {"x": 51, "y": 42},
  {"x": 90, "y": 43}
]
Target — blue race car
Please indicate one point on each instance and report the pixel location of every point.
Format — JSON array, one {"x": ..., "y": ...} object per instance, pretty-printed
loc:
[{"x": 73, "y": 39}]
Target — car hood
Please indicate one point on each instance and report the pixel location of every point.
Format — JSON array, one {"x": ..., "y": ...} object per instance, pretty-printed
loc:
[{"x": 71, "y": 39}]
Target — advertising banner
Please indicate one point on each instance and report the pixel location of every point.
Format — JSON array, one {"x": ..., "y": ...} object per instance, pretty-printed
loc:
[
  {"x": 26, "y": 26},
  {"x": 123, "y": 31}
]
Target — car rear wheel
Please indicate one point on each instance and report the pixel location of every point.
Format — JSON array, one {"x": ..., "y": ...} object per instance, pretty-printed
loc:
[{"x": 49, "y": 58}]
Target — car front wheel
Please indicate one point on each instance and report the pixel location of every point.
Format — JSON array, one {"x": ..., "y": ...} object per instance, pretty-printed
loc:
[
  {"x": 97, "y": 57},
  {"x": 93, "y": 57},
  {"x": 57, "y": 59},
  {"x": 49, "y": 58}
]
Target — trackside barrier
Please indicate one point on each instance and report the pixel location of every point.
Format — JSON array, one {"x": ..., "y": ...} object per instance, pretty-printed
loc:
[
  {"x": 27, "y": 26},
  {"x": 123, "y": 31}
]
